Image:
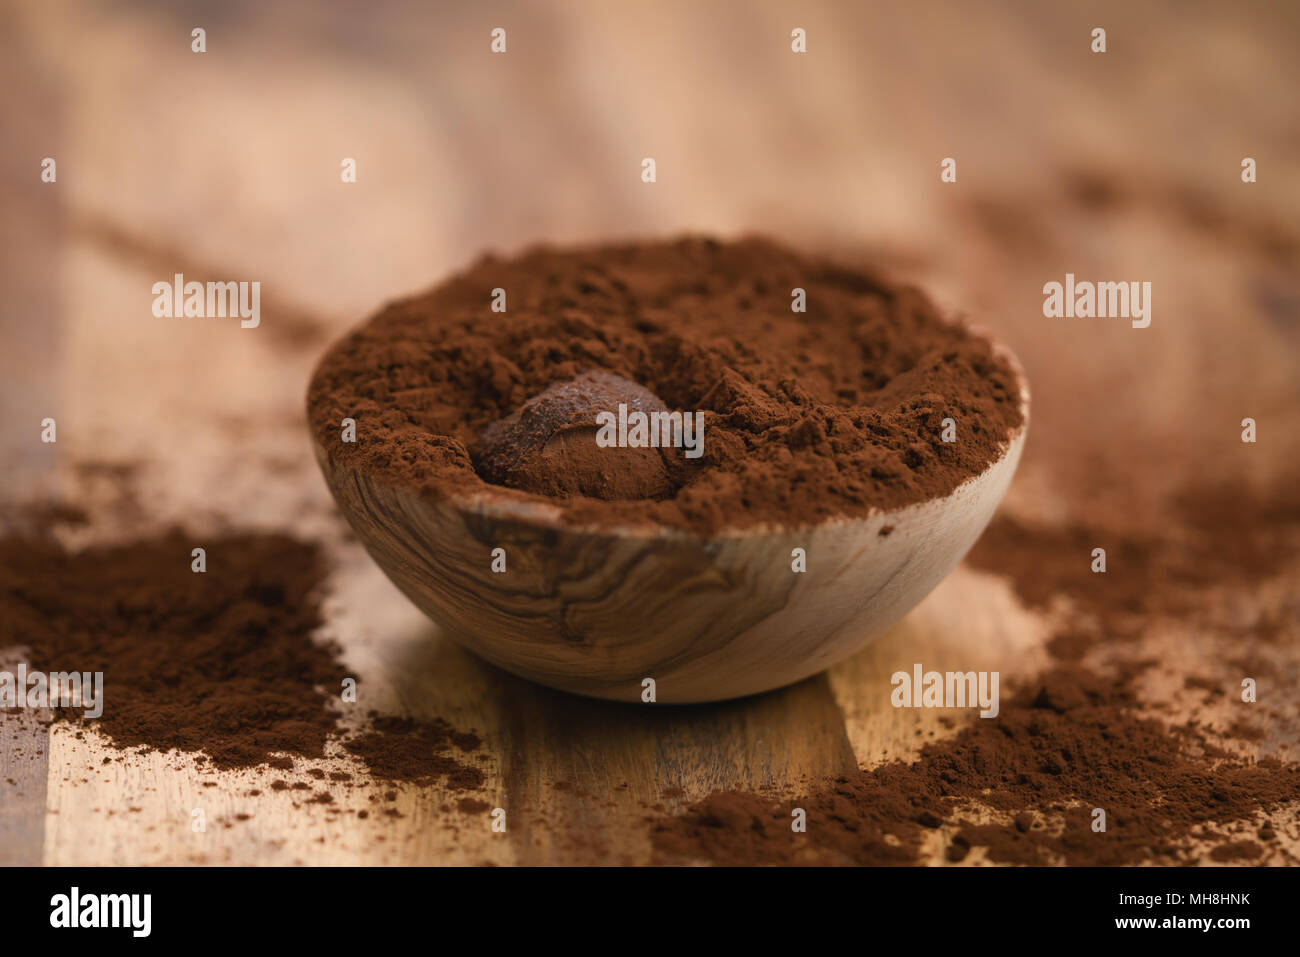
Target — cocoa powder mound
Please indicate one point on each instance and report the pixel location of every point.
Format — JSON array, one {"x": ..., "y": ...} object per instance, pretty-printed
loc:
[
  {"x": 221, "y": 662},
  {"x": 1022, "y": 786},
  {"x": 809, "y": 415},
  {"x": 225, "y": 663}
]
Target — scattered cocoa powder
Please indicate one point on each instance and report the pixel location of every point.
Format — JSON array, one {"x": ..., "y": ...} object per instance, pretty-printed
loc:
[
  {"x": 221, "y": 662},
  {"x": 1242, "y": 731},
  {"x": 1060, "y": 750},
  {"x": 835, "y": 411},
  {"x": 225, "y": 662},
  {"x": 1023, "y": 786},
  {"x": 1221, "y": 535},
  {"x": 1237, "y": 851},
  {"x": 404, "y": 749}
]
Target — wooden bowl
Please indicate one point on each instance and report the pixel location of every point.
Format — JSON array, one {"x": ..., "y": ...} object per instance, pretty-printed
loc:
[{"x": 595, "y": 611}]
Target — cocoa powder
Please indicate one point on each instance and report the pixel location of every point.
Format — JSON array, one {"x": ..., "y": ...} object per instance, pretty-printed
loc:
[
  {"x": 225, "y": 663},
  {"x": 1064, "y": 745},
  {"x": 422, "y": 752},
  {"x": 1022, "y": 786},
  {"x": 809, "y": 415},
  {"x": 221, "y": 662}
]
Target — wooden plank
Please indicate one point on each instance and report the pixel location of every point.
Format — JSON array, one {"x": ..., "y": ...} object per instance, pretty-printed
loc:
[{"x": 24, "y": 768}]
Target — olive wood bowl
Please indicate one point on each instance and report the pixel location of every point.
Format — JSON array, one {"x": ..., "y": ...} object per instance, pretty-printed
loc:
[{"x": 597, "y": 610}]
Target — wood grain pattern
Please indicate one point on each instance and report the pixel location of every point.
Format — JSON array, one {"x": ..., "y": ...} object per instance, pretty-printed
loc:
[
  {"x": 24, "y": 770},
  {"x": 597, "y": 612}
]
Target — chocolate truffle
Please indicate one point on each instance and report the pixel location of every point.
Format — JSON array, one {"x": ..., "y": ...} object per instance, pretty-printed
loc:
[{"x": 548, "y": 447}]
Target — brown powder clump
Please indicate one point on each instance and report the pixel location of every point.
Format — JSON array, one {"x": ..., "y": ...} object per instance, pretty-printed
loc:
[
  {"x": 225, "y": 662},
  {"x": 1061, "y": 747},
  {"x": 421, "y": 752},
  {"x": 859, "y": 818},
  {"x": 1022, "y": 786},
  {"x": 221, "y": 662},
  {"x": 1221, "y": 535},
  {"x": 809, "y": 415}
]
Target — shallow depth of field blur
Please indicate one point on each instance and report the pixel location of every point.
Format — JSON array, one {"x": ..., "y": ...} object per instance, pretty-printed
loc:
[{"x": 225, "y": 166}]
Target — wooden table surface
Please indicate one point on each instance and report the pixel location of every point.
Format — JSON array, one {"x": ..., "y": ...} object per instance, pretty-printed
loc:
[{"x": 225, "y": 165}]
